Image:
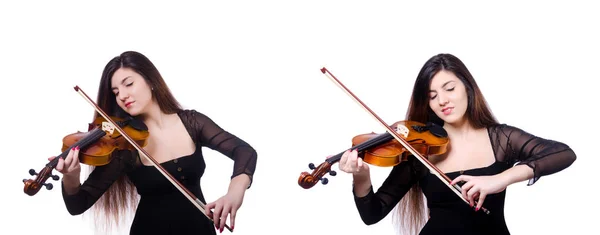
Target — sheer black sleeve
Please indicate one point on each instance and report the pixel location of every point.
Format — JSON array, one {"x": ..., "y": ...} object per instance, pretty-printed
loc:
[
  {"x": 377, "y": 205},
  {"x": 211, "y": 135},
  {"x": 99, "y": 180},
  {"x": 544, "y": 156}
]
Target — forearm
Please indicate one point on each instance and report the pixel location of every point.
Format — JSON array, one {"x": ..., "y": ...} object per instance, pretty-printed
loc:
[
  {"x": 517, "y": 174},
  {"x": 362, "y": 184}
]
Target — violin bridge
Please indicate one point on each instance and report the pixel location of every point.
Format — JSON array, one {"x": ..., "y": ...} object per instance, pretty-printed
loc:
[
  {"x": 403, "y": 130},
  {"x": 106, "y": 126}
]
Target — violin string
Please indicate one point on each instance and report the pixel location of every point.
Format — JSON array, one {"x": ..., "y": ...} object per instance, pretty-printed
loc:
[
  {"x": 434, "y": 170},
  {"x": 93, "y": 136},
  {"x": 189, "y": 195},
  {"x": 362, "y": 146}
]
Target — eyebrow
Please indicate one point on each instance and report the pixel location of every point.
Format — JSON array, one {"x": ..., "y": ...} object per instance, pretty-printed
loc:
[
  {"x": 443, "y": 85},
  {"x": 122, "y": 81}
]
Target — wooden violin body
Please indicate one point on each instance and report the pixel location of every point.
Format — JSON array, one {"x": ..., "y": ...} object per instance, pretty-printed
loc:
[
  {"x": 99, "y": 153},
  {"x": 383, "y": 150},
  {"x": 106, "y": 135},
  {"x": 421, "y": 145},
  {"x": 96, "y": 148},
  {"x": 428, "y": 139}
]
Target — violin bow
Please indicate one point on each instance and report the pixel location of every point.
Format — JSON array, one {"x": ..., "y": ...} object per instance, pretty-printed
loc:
[
  {"x": 437, "y": 172},
  {"x": 201, "y": 206}
]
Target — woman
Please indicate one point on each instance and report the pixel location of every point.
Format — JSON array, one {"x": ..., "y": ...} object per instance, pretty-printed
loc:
[
  {"x": 131, "y": 86},
  {"x": 484, "y": 155}
]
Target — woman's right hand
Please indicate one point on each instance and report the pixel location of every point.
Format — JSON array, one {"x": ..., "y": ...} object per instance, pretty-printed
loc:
[
  {"x": 351, "y": 163},
  {"x": 70, "y": 165}
]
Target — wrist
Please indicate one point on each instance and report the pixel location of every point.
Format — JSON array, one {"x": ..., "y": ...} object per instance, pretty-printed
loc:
[
  {"x": 361, "y": 184},
  {"x": 71, "y": 183},
  {"x": 516, "y": 174},
  {"x": 361, "y": 177},
  {"x": 71, "y": 179},
  {"x": 239, "y": 183}
]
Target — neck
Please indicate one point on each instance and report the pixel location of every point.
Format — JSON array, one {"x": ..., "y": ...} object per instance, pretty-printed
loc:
[
  {"x": 460, "y": 130},
  {"x": 154, "y": 117}
]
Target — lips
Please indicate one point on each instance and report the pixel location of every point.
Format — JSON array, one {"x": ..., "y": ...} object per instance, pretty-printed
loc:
[
  {"x": 128, "y": 104},
  {"x": 447, "y": 110}
]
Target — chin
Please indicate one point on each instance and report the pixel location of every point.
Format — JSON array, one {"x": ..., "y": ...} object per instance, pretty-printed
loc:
[
  {"x": 449, "y": 119},
  {"x": 132, "y": 112}
]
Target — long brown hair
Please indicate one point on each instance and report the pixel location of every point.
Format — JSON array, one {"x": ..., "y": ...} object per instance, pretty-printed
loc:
[
  {"x": 411, "y": 209},
  {"x": 121, "y": 197}
]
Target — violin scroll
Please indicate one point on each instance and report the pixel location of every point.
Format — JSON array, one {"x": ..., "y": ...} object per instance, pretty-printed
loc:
[
  {"x": 97, "y": 146},
  {"x": 308, "y": 180},
  {"x": 383, "y": 150},
  {"x": 34, "y": 186}
]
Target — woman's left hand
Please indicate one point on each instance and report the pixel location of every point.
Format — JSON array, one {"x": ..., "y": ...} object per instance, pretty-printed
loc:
[
  {"x": 478, "y": 187},
  {"x": 226, "y": 205}
]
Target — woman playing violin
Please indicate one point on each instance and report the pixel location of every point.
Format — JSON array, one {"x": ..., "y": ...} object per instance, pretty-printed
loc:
[
  {"x": 484, "y": 157},
  {"x": 132, "y": 86}
]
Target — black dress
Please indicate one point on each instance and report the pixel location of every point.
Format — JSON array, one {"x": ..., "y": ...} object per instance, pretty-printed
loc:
[
  {"x": 448, "y": 213},
  {"x": 162, "y": 208}
]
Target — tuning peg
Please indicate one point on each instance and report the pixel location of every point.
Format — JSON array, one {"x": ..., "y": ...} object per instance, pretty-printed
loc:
[
  {"x": 32, "y": 172},
  {"x": 332, "y": 173},
  {"x": 48, "y": 186},
  {"x": 311, "y": 166},
  {"x": 324, "y": 181},
  {"x": 54, "y": 177}
]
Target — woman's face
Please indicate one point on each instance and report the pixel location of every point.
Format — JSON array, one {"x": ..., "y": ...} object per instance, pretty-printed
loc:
[
  {"x": 448, "y": 97},
  {"x": 131, "y": 90}
]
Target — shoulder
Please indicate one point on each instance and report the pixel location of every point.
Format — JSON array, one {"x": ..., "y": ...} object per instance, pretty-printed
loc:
[
  {"x": 189, "y": 112},
  {"x": 504, "y": 129},
  {"x": 507, "y": 135},
  {"x": 189, "y": 116}
]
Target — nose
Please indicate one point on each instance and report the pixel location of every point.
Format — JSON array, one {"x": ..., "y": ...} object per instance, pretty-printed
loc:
[
  {"x": 442, "y": 100},
  {"x": 122, "y": 96}
]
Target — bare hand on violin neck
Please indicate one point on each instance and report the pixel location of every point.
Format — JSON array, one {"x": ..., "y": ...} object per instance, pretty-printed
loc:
[
  {"x": 70, "y": 166},
  {"x": 351, "y": 163}
]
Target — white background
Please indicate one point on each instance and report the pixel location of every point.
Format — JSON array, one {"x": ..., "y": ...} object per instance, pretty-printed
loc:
[{"x": 253, "y": 66}]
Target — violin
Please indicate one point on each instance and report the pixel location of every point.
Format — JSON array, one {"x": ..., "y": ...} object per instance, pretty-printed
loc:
[
  {"x": 97, "y": 146},
  {"x": 382, "y": 151}
]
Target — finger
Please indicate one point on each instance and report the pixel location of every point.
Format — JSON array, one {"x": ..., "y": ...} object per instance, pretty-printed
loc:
[
  {"x": 232, "y": 218},
  {"x": 75, "y": 158},
  {"x": 457, "y": 179},
  {"x": 473, "y": 193},
  {"x": 480, "y": 201},
  {"x": 69, "y": 157},
  {"x": 208, "y": 208},
  {"x": 217, "y": 214},
  {"x": 224, "y": 214},
  {"x": 360, "y": 164},
  {"x": 465, "y": 189},
  {"x": 470, "y": 195},
  {"x": 328, "y": 156},
  {"x": 476, "y": 198},
  {"x": 352, "y": 160},
  {"x": 344, "y": 158},
  {"x": 60, "y": 165},
  {"x": 464, "y": 178},
  {"x": 50, "y": 158}
]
